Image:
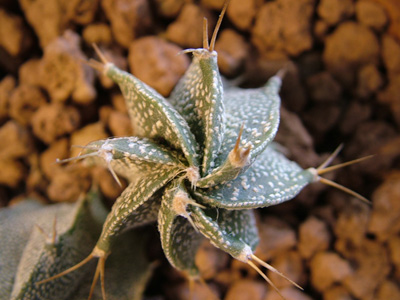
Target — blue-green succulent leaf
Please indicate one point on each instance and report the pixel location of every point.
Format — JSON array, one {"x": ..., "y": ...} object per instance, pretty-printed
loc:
[
  {"x": 198, "y": 97},
  {"x": 272, "y": 179},
  {"x": 234, "y": 232},
  {"x": 152, "y": 115},
  {"x": 16, "y": 224},
  {"x": 77, "y": 229},
  {"x": 123, "y": 214},
  {"x": 127, "y": 270},
  {"x": 130, "y": 156},
  {"x": 258, "y": 111},
  {"x": 179, "y": 239}
]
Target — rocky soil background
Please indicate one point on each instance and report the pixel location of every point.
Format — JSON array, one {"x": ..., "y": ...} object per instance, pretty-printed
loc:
[{"x": 342, "y": 86}]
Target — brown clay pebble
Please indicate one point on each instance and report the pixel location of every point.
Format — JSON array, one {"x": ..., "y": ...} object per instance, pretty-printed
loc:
[
  {"x": 107, "y": 183},
  {"x": 232, "y": 51},
  {"x": 390, "y": 97},
  {"x": 12, "y": 172},
  {"x": 388, "y": 290},
  {"x": 275, "y": 237},
  {"x": 394, "y": 246},
  {"x": 15, "y": 37},
  {"x": 290, "y": 264},
  {"x": 28, "y": 72},
  {"x": 85, "y": 135},
  {"x": 271, "y": 32},
  {"x": 68, "y": 185},
  {"x": 169, "y": 8},
  {"x": 288, "y": 293},
  {"x": 391, "y": 55},
  {"x": 328, "y": 268},
  {"x": 98, "y": 33},
  {"x": 246, "y": 290},
  {"x": 350, "y": 46},
  {"x": 313, "y": 237},
  {"x": 324, "y": 88},
  {"x": 337, "y": 293},
  {"x": 128, "y": 19},
  {"x": 242, "y": 13},
  {"x": 48, "y": 160},
  {"x": 195, "y": 291},
  {"x": 371, "y": 14},
  {"x": 54, "y": 120},
  {"x": 369, "y": 81},
  {"x": 355, "y": 114},
  {"x": 351, "y": 226},
  {"x": 24, "y": 102},
  {"x": 185, "y": 30},
  {"x": 120, "y": 124},
  {"x": 7, "y": 85},
  {"x": 372, "y": 267},
  {"x": 157, "y": 63},
  {"x": 385, "y": 216},
  {"x": 334, "y": 11},
  {"x": 62, "y": 73},
  {"x": 16, "y": 141}
]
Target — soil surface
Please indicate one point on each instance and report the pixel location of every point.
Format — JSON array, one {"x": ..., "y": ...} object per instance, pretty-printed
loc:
[{"x": 342, "y": 86}]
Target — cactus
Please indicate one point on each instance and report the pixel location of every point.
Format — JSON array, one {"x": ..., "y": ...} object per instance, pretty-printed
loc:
[
  {"x": 39, "y": 241},
  {"x": 201, "y": 162}
]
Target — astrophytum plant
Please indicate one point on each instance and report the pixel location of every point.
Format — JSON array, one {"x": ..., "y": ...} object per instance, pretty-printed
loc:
[{"x": 201, "y": 162}]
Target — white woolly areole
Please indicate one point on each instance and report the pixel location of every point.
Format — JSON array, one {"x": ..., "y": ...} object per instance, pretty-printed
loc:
[
  {"x": 314, "y": 172},
  {"x": 105, "y": 152},
  {"x": 245, "y": 255},
  {"x": 179, "y": 204},
  {"x": 107, "y": 66}
]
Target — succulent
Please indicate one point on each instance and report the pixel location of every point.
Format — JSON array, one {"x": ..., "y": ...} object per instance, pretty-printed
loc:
[
  {"x": 201, "y": 162},
  {"x": 38, "y": 241}
]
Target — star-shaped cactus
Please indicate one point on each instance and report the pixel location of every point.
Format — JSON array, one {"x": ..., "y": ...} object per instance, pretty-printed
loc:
[{"x": 202, "y": 160}]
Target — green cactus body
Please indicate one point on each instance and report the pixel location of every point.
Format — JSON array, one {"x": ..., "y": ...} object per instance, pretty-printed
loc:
[
  {"x": 203, "y": 149},
  {"x": 202, "y": 160}
]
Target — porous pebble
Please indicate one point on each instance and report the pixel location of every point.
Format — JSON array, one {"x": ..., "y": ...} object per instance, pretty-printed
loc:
[
  {"x": 328, "y": 268},
  {"x": 165, "y": 67},
  {"x": 371, "y": 14},
  {"x": 314, "y": 236}
]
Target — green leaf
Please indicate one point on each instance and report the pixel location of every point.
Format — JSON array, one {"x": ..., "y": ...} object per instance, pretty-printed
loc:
[
  {"x": 179, "y": 239},
  {"x": 130, "y": 156},
  {"x": 231, "y": 231},
  {"x": 199, "y": 98},
  {"x": 258, "y": 111},
  {"x": 127, "y": 270},
  {"x": 77, "y": 229},
  {"x": 16, "y": 223},
  {"x": 152, "y": 116},
  {"x": 123, "y": 215},
  {"x": 272, "y": 179}
]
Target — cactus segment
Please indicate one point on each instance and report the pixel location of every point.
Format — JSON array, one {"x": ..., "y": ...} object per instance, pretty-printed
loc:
[
  {"x": 75, "y": 234},
  {"x": 179, "y": 238},
  {"x": 198, "y": 97},
  {"x": 151, "y": 114},
  {"x": 122, "y": 216},
  {"x": 257, "y": 110},
  {"x": 272, "y": 179},
  {"x": 230, "y": 231}
]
